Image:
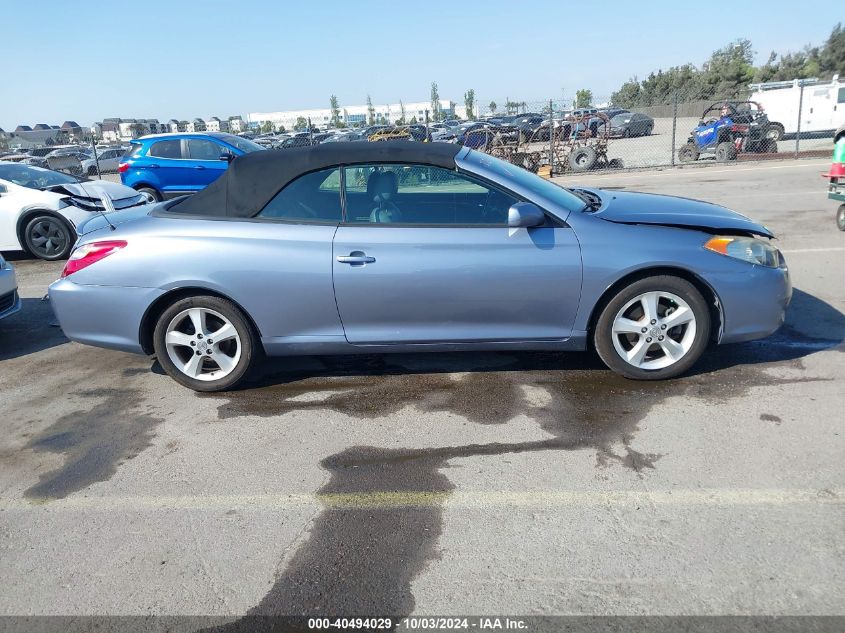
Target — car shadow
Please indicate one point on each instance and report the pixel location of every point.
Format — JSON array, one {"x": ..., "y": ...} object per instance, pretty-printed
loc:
[
  {"x": 33, "y": 329},
  {"x": 811, "y": 326}
]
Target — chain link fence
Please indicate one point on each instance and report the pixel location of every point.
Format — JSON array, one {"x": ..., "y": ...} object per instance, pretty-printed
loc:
[{"x": 549, "y": 136}]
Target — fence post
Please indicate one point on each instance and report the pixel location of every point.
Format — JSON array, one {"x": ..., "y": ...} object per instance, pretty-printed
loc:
[
  {"x": 551, "y": 139},
  {"x": 96, "y": 158},
  {"x": 674, "y": 125},
  {"x": 310, "y": 132},
  {"x": 800, "y": 108},
  {"x": 426, "y": 126}
]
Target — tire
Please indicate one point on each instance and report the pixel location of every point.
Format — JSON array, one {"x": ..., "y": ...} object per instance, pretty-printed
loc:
[
  {"x": 48, "y": 237},
  {"x": 185, "y": 345},
  {"x": 150, "y": 191},
  {"x": 688, "y": 153},
  {"x": 768, "y": 146},
  {"x": 840, "y": 217},
  {"x": 725, "y": 151},
  {"x": 582, "y": 159},
  {"x": 626, "y": 311},
  {"x": 92, "y": 171},
  {"x": 775, "y": 132},
  {"x": 626, "y": 133}
]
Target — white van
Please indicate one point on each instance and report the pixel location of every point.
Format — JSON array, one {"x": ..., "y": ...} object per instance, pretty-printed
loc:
[{"x": 822, "y": 107}]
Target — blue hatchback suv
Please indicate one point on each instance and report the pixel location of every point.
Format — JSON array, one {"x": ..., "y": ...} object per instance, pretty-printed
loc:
[{"x": 170, "y": 165}]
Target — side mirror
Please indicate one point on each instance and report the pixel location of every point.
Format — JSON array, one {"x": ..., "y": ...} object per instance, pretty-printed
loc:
[
  {"x": 227, "y": 156},
  {"x": 3, "y": 190},
  {"x": 525, "y": 214}
]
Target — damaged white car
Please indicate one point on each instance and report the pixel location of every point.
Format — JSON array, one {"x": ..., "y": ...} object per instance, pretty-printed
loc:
[{"x": 40, "y": 209}]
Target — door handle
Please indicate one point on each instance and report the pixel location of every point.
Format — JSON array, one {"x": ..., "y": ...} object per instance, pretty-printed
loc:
[
  {"x": 355, "y": 258},
  {"x": 153, "y": 165},
  {"x": 199, "y": 167}
]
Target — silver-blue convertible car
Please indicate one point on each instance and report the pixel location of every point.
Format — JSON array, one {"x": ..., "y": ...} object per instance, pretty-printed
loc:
[{"x": 403, "y": 246}]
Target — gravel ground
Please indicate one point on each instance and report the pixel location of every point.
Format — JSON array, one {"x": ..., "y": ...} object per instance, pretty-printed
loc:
[{"x": 442, "y": 484}]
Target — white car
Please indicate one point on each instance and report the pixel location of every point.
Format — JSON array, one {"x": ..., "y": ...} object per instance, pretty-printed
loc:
[
  {"x": 109, "y": 160},
  {"x": 40, "y": 209},
  {"x": 9, "y": 300}
]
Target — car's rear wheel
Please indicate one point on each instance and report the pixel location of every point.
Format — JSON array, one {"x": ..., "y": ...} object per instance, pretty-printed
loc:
[
  {"x": 151, "y": 193},
  {"x": 653, "y": 329},
  {"x": 48, "y": 237},
  {"x": 205, "y": 343},
  {"x": 725, "y": 151},
  {"x": 92, "y": 171}
]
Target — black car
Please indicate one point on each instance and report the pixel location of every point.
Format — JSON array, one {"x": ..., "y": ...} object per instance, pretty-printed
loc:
[{"x": 629, "y": 124}]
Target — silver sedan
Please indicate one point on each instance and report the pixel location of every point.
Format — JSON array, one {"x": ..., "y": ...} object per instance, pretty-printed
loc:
[{"x": 401, "y": 246}]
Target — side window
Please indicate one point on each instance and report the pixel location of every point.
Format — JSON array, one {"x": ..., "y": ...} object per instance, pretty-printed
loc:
[
  {"x": 313, "y": 197},
  {"x": 841, "y": 98},
  {"x": 202, "y": 149},
  {"x": 423, "y": 195},
  {"x": 166, "y": 149}
]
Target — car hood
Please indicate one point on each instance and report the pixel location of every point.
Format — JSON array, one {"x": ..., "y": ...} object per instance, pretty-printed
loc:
[
  {"x": 93, "y": 189},
  {"x": 626, "y": 207}
]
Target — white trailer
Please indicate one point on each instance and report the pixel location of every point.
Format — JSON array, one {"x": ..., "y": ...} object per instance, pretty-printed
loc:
[{"x": 822, "y": 106}]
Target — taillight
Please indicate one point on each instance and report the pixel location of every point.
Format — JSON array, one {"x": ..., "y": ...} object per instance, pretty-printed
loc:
[
  {"x": 739, "y": 128},
  {"x": 88, "y": 254},
  {"x": 122, "y": 167}
]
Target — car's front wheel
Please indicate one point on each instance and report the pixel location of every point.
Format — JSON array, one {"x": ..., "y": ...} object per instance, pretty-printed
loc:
[
  {"x": 47, "y": 237},
  {"x": 205, "y": 343},
  {"x": 655, "y": 328}
]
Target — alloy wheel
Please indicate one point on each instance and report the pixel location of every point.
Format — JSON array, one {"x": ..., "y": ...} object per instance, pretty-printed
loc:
[
  {"x": 47, "y": 237},
  {"x": 203, "y": 344},
  {"x": 654, "y": 330}
]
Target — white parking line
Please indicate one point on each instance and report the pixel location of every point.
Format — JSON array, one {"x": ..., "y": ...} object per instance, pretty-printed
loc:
[
  {"x": 457, "y": 499},
  {"x": 688, "y": 171},
  {"x": 814, "y": 250}
]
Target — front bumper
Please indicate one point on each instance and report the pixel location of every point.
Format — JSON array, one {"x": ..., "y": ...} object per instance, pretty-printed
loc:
[
  {"x": 10, "y": 301},
  {"x": 103, "y": 316},
  {"x": 753, "y": 305}
]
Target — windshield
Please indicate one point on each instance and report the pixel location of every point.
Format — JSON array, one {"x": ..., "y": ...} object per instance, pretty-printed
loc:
[
  {"x": 620, "y": 118},
  {"x": 524, "y": 179},
  {"x": 243, "y": 144},
  {"x": 33, "y": 177}
]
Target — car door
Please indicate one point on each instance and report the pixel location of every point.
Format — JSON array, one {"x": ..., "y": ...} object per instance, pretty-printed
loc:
[
  {"x": 425, "y": 256},
  {"x": 204, "y": 155},
  {"x": 165, "y": 165},
  {"x": 12, "y": 199}
]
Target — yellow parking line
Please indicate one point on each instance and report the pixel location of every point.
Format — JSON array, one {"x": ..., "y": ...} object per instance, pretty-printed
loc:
[{"x": 456, "y": 499}]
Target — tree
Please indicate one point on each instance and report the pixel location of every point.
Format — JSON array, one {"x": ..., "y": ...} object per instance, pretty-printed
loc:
[
  {"x": 435, "y": 102},
  {"x": 301, "y": 124},
  {"x": 413, "y": 120},
  {"x": 469, "y": 103},
  {"x": 492, "y": 107},
  {"x": 401, "y": 120},
  {"x": 832, "y": 53},
  {"x": 335, "y": 107},
  {"x": 281, "y": 129},
  {"x": 371, "y": 112},
  {"x": 138, "y": 129},
  {"x": 266, "y": 127},
  {"x": 583, "y": 98}
]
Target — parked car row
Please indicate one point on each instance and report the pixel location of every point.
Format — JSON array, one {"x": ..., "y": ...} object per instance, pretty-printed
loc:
[{"x": 74, "y": 159}]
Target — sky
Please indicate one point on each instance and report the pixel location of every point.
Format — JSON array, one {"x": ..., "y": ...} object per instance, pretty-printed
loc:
[{"x": 92, "y": 59}]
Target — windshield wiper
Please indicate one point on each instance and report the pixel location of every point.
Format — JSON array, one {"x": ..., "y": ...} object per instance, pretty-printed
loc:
[{"x": 592, "y": 201}]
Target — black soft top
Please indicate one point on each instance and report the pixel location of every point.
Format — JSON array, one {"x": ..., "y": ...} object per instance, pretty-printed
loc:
[{"x": 253, "y": 179}]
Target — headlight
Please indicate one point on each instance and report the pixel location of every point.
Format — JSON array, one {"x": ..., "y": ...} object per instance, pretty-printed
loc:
[{"x": 748, "y": 249}]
